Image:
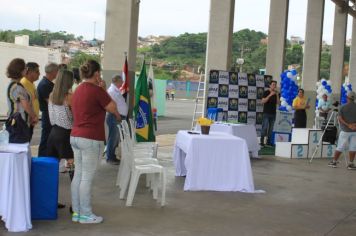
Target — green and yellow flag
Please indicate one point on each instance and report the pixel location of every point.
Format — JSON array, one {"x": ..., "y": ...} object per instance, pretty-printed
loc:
[{"x": 142, "y": 109}]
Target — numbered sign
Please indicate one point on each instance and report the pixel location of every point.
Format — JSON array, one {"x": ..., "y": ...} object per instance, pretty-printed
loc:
[
  {"x": 299, "y": 151},
  {"x": 314, "y": 138},
  {"x": 328, "y": 150}
]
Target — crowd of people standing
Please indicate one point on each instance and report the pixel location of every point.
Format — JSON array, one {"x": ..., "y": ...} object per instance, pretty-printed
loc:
[{"x": 72, "y": 119}]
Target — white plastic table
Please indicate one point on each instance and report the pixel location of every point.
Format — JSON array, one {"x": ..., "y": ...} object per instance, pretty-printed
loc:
[
  {"x": 245, "y": 131},
  {"x": 218, "y": 162},
  {"x": 15, "y": 206}
]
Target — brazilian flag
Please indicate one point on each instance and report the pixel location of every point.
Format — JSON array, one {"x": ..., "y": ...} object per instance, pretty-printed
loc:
[{"x": 142, "y": 109}]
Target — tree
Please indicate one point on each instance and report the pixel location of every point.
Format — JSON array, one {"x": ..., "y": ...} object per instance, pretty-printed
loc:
[
  {"x": 294, "y": 55},
  {"x": 79, "y": 59}
]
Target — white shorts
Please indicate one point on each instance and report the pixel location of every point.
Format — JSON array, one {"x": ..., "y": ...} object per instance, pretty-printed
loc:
[{"x": 346, "y": 142}]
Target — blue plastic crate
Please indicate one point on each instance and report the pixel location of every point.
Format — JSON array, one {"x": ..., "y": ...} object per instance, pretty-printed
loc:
[
  {"x": 213, "y": 113},
  {"x": 44, "y": 188}
]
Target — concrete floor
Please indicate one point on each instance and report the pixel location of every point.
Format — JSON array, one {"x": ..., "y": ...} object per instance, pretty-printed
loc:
[{"x": 300, "y": 199}]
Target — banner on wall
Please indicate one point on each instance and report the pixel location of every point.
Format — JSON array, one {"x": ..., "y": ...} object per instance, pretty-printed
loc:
[{"x": 239, "y": 95}]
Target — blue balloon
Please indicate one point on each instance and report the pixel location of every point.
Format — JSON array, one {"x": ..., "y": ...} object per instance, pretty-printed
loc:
[
  {"x": 324, "y": 83},
  {"x": 294, "y": 72}
]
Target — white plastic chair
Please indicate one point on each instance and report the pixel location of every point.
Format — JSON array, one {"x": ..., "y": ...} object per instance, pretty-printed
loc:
[
  {"x": 155, "y": 173},
  {"x": 159, "y": 173},
  {"x": 141, "y": 158},
  {"x": 131, "y": 157}
]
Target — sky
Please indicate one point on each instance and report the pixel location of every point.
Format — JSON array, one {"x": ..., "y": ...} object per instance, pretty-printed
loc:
[{"x": 157, "y": 17}]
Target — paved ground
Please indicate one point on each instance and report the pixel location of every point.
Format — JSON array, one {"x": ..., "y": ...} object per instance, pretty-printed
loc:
[{"x": 300, "y": 199}]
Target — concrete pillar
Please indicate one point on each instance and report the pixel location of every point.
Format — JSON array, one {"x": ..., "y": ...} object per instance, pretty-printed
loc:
[
  {"x": 352, "y": 64},
  {"x": 312, "y": 51},
  {"x": 219, "y": 44},
  {"x": 121, "y": 29},
  {"x": 277, "y": 30},
  {"x": 337, "y": 51}
]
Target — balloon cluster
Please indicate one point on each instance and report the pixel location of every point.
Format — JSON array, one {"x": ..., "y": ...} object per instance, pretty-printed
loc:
[
  {"x": 289, "y": 89},
  {"x": 344, "y": 89},
  {"x": 322, "y": 87}
]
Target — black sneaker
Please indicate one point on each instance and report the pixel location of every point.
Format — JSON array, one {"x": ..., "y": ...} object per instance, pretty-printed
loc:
[
  {"x": 113, "y": 162},
  {"x": 351, "y": 166},
  {"x": 333, "y": 164}
]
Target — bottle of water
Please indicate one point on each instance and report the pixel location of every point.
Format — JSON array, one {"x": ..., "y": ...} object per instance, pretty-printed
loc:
[{"x": 4, "y": 136}]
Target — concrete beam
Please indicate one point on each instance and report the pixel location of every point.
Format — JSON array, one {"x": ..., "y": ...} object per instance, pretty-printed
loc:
[
  {"x": 312, "y": 51},
  {"x": 345, "y": 7},
  {"x": 352, "y": 64},
  {"x": 338, "y": 50},
  {"x": 277, "y": 31},
  {"x": 121, "y": 31},
  {"x": 219, "y": 42}
]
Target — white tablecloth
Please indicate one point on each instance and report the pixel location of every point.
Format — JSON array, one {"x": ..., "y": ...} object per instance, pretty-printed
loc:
[
  {"x": 217, "y": 161},
  {"x": 247, "y": 132},
  {"x": 15, "y": 206}
]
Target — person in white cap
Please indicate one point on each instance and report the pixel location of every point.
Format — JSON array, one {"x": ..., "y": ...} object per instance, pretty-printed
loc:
[{"x": 347, "y": 136}]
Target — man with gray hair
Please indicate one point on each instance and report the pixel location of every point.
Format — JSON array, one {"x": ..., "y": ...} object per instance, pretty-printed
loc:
[
  {"x": 44, "y": 88},
  {"x": 113, "y": 139},
  {"x": 347, "y": 136}
]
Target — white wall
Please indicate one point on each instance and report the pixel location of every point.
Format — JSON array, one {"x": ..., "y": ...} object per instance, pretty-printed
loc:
[{"x": 9, "y": 51}]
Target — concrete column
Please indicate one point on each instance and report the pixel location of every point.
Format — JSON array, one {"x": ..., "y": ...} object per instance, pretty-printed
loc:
[
  {"x": 352, "y": 64},
  {"x": 219, "y": 41},
  {"x": 277, "y": 30},
  {"x": 312, "y": 51},
  {"x": 121, "y": 29},
  {"x": 338, "y": 50}
]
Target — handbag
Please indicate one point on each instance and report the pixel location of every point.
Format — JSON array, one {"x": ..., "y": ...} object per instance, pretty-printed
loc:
[{"x": 19, "y": 131}]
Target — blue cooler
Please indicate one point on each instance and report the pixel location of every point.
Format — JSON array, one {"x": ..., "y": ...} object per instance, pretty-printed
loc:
[
  {"x": 44, "y": 188},
  {"x": 213, "y": 113}
]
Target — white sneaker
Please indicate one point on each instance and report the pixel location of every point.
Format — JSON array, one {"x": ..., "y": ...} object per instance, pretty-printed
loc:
[{"x": 90, "y": 219}]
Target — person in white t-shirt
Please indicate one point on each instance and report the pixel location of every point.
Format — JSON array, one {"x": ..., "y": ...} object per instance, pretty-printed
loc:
[{"x": 111, "y": 121}]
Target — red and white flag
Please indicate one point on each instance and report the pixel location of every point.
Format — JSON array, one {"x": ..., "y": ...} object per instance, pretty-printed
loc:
[{"x": 125, "y": 76}]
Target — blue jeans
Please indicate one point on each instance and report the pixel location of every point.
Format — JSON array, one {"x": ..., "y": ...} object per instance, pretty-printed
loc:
[
  {"x": 113, "y": 137},
  {"x": 86, "y": 155},
  {"x": 267, "y": 127}
]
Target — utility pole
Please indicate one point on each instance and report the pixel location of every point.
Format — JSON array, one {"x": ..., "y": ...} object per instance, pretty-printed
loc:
[
  {"x": 94, "y": 28},
  {"x": 240, "y": 61},
  {"x": 39, "y": 22}
]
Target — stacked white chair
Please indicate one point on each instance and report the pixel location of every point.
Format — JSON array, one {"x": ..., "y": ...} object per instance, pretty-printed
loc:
[
  {"x": 148, "y": 156},
  {"x": 133, "y": 164}
]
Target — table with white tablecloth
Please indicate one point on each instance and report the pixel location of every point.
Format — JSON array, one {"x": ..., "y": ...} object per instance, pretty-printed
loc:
[
  {"x": 15, "y": 206},
  {"x": 245, "y": 131},
  {"x": 218, "y": 162}
]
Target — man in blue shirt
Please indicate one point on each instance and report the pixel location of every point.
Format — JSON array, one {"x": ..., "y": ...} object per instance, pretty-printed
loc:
[
  {"x": 324, "y": 106},
  {"x": 44, "y": 89}
]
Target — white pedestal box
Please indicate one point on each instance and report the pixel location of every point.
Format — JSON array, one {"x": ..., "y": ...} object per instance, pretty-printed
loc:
[
  {"x": 328, "y": 150},
  {"x": 283, "y": 149},
  {"x": 301, "y": 135},
  {"x": 299, "y": 151},
  {"x": 304, "y": 143},
  {"x": 314, "y": 138}
]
